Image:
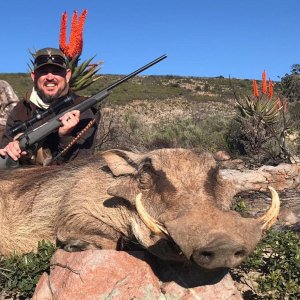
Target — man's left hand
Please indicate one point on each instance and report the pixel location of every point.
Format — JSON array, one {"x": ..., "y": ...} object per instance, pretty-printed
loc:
[{"x": 69, "y": 120}]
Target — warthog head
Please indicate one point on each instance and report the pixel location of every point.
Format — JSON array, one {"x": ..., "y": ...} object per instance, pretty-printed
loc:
[{"x": 179, "y": 197}]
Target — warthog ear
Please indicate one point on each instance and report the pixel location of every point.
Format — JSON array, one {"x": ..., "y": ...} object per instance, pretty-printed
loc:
[{"x": 122, "y": 162}]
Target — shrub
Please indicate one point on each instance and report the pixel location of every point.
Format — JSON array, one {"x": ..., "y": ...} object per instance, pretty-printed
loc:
[
  {"x": 290, "y": 84},
  {"x": 276, "y": 263},
  {"x": 295, "y": 115},
  {"x": 190, "y": 133},
  {"x": 19, "y": 274},
  {"x": 263, "y": 120}
]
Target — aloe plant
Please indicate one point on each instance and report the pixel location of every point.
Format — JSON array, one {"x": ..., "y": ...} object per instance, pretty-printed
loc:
[
  {"x": 261, "y": 104},
  {"x": 83, "y": 74},
  {"x": 262, "y": 118}
]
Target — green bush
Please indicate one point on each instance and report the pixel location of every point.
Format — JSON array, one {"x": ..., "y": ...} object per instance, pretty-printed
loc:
[
  {"x": 19, "y": 274},
  {"x": 295, "y": 115},
  {"x": 277, "y": 261},
  {"x": 206, "y": 134}
]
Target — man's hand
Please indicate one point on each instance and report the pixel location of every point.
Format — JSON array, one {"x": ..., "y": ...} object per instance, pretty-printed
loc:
[
  {"x": 69, "y": 120},
  {"x": 13, "y": 150}
]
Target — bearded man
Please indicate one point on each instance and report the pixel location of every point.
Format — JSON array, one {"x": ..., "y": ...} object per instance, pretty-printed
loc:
[{"x": 51, "y": 78}]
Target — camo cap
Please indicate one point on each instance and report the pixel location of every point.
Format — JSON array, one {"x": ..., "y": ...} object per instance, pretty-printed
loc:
[{"x": 49, "y": 56}]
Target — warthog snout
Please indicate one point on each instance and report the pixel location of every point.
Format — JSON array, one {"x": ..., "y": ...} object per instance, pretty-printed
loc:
[{"x": 219, "y": 253}]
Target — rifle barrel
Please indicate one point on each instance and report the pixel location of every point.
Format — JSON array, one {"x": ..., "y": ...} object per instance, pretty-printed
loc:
[{"x": 125, "y": 78}]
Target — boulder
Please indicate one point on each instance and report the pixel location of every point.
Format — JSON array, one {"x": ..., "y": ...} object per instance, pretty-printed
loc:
[
  {"x": 222, "y": 156},
  {"x": 109, "y": 274},
  {"x": 8, "y": 99},
  {"x": 281, "y": 177}
]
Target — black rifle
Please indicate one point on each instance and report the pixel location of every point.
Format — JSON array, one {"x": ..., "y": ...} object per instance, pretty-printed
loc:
[
  {"x": 40, "y": 115},
  {"x": 30, "y": 139}
]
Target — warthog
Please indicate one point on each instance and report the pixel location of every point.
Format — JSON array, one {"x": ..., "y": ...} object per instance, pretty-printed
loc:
[{"x": 171, "y": 201}]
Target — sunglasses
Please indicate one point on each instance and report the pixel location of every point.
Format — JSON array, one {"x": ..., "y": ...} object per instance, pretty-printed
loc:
[{"x": 50, "y": 59}]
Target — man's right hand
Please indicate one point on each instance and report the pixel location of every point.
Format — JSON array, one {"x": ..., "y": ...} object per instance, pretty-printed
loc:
[{"x": 13, "y": 150}]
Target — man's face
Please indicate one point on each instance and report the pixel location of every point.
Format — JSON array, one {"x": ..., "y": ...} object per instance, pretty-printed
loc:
[{"x": 51, "y": 82}]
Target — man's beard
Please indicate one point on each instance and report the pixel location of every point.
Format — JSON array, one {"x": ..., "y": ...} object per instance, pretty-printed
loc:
[{"x": 50, "y": 98}]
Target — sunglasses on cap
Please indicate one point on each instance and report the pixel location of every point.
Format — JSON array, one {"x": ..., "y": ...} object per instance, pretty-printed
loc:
[{"x": 49, "y": 59}]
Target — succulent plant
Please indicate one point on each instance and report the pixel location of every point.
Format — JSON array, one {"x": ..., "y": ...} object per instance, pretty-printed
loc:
[
  {"x": 261, "y": 104},
  {"x": 83, "y": 74}
]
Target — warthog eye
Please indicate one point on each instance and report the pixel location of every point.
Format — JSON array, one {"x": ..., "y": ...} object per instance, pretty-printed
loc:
[
  {"x": 207, "y": 254},
  {"x": 240, "y": 253}
]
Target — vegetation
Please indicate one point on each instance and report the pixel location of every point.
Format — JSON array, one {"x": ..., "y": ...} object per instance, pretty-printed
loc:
[
  {"x": 19, "y": 274},
  {"x": 186, "y": 133},
  {"x": 260, "y": 127},
  {"x": 290, "y": 84},
  {"x": 290, "y": 89},
  {"x": 273, "y": 269},
  {"x": 148, "y": 87}
]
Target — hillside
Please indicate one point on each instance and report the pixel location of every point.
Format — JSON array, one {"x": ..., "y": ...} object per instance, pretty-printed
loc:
[
  {"x": 155, "y": 111},
  {"x": 152, "y": 87}
]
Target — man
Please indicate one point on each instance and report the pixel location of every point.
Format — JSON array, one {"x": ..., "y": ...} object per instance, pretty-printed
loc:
[{"x": 51, "y": 85}]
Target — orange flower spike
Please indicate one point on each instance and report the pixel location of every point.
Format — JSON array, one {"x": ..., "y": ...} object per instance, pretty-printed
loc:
[
  {"x": 270, "y": 93},
  {"x": 79, "y": 41},
  {"x": 264, "y": 82},
  {"x": 72, "y": 43},
  {"x": 63, "y": 33},
  {"x": 255, "y": 89}
]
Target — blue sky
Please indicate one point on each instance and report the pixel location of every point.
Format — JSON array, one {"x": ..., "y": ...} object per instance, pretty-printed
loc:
[{"x": 236, "y": 38}]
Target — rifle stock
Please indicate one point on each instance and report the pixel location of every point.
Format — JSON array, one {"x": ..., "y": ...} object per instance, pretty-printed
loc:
[{"x": 30, "y": 138}]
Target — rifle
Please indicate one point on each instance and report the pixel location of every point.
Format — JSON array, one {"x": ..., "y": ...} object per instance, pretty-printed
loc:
[
  {"x": 40, "y": 115},
  {"x": 30, "y": 139}
]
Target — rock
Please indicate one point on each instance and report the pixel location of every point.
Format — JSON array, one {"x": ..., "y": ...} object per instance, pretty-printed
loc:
[
  {"x": 8, "y": 99},
  {"x": 289, "y": 217},
  {"x": 43, "y": 289},
  {"x": 236, "y": 164},
  {"x": 223, "y": 290},
  {"x": 222, "y": 156},
  {"x": 109, "y": 274},
  {"x": 281, "y": 177}
]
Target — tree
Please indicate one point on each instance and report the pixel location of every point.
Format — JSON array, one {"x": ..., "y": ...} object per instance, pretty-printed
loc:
[{"x": 290, "y": 84}]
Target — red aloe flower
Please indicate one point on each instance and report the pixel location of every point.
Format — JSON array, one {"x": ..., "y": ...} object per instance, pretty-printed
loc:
[
  {"x": 255, "y": 89},
  {"x": 74, "y": 48},
  {"x": 264, "y": 82},
  {"x": 271, "y": 89},
  {"x": 63, "y": 32},
  {"x": 80, "y": 31},
  {"x": 73, "y": 35}
]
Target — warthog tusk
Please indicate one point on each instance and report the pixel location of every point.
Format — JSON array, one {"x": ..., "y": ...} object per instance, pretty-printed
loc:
[
  {"x": 154, "y": 225},
  {"x": 269, "y": 218}
]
